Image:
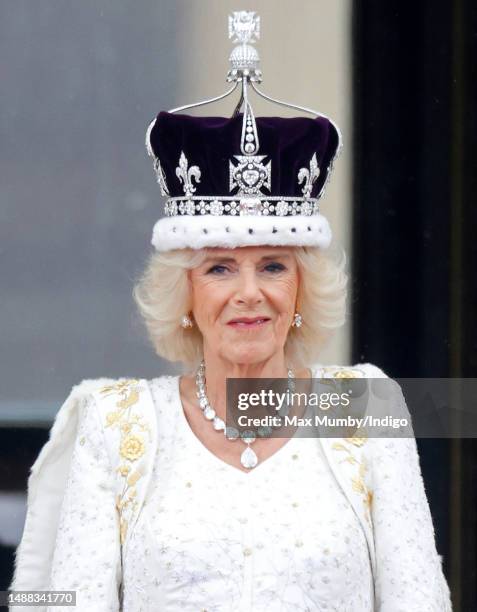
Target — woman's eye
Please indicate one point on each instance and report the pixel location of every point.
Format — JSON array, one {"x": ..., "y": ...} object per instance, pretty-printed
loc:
[
  {"x": 218, "y": 269},
  {"x": 274, "y": 267}
]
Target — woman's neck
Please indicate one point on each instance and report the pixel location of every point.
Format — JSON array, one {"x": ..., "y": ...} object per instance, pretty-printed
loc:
[{"x": 217, "y": 370}]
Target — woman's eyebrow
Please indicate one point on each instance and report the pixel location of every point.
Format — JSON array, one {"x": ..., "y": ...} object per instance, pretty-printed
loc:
[
  {"x": 225, "y": 259},
  {"x": 218, "y": 258},
  {"x": 276, "y": 256}
]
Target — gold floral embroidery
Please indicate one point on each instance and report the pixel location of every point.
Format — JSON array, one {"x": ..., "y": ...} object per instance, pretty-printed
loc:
[
  {"x": 359, "y": 485},
  {"x": 335, "y": 377},
  {"x": 356, "y": 441},
  {"x": 124, "y": 470},
  {"x": 347, "y": 374},
  {"x": 112, "y": 418},
  {"x": 339, "y": 446},
  {"x": 369, "y": 500},
  {"x": 337, "y": 372},
  {"x": 357, "y": 481},
  {"x": 133, "y": 478},
  {"x": 131, "y": 399},
  {"x": 122, "y": 386},
  {"x": 351, "y": 459},
  {"x": 132, "y": 445}
]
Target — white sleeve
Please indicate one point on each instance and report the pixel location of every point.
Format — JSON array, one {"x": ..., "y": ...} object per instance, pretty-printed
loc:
[
  {"x": 87, "y": 556},
  {"x": 409, "y": 570}
]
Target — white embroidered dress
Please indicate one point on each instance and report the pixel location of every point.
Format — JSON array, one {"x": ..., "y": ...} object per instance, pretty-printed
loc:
[{"x": 210, "y": 537}]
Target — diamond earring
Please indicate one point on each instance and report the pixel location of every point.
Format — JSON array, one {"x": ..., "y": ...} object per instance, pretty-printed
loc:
[
  {"x": 297, "y": 320},
  {"x": 186, "y": 322}
]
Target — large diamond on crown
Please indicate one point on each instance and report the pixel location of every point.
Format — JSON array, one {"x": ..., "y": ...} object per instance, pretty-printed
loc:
[
  {"x": 250, "y": 175},
  {"x": 250, "y": 206}
]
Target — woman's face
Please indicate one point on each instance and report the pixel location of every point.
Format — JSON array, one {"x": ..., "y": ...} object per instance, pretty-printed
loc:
[{"x": 244, "y": 299}]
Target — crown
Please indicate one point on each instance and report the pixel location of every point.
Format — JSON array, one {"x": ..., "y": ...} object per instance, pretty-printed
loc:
[{"x": 242, "y": 180}]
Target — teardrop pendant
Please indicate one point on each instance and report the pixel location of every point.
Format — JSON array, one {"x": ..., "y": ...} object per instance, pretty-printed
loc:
[{"x": 248, "y": 458}]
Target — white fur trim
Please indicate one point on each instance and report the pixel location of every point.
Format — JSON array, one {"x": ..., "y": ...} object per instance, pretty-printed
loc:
[{"x": 227, "y": 231}]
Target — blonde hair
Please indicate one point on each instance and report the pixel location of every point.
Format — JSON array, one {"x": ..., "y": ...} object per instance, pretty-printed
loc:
[{"x": 163, "y": 296}]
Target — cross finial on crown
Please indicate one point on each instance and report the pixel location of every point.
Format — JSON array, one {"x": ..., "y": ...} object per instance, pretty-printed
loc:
[{"x": 244, "y": 26}]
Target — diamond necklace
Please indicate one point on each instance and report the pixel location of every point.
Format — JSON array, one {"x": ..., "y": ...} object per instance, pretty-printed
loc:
[{"x": 248, "y": 458}]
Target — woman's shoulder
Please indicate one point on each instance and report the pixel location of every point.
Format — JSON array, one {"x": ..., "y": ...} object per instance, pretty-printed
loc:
[
  {"x": 104, "y": 386},
  {"x": 89, "y": 386},
  {"x": 90, "y": 396},
  {"x": 78, "y": 400},
  {"x": 102, "y": 395},
  {"x": 358, "y": 370}
]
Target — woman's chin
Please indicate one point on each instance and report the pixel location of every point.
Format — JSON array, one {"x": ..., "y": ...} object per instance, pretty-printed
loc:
[{"x": 249, "y": 352}]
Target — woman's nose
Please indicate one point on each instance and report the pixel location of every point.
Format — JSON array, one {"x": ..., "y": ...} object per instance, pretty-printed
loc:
[{"x": 248, "y": 288}]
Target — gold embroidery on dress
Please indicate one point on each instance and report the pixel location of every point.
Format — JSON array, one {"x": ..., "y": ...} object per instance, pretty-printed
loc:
[
  {"x": 358, "y": 439},
  {"x": 132, "y": 445},
  {"x": 357, "y": 482},
  {"x": 368, "y": 500},
  {"x": 347, "y": 374},
  {"x": 121, "y": 386},
  {"x": 342, "y": 372}
]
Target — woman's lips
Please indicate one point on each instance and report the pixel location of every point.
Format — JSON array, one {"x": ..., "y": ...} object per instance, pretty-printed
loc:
[{"x": 247, "y": 323}]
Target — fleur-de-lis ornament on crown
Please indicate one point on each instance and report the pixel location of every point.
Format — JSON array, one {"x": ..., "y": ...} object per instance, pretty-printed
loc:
[
  {"x": 186, "y": 174},
  {"x": 309, "y": 175}
]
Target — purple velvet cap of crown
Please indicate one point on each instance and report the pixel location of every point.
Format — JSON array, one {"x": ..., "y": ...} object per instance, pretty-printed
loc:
[{"x": 211, "y": 142}]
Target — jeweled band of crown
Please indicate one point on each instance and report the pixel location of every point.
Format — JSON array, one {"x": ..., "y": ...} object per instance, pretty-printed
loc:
[{"x": 230, "y": 205}]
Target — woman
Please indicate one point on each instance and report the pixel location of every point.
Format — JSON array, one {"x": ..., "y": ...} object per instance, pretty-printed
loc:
[{"x": 140, "y": 502}]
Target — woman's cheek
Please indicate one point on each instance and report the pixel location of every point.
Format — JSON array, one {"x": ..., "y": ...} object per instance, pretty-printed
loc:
[{"x": 283, "y": 323}]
